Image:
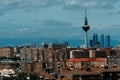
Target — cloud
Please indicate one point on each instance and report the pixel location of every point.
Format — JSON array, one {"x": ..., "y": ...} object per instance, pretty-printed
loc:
[
  {"x": 113, "y": 30},
  {"x": 59, "y": 29},
  {"x": 55, "y": 23},
  {"x": 29, "y": 3},
  {"x": 115, "y": 27},
  {"x": 98, "y": 4},
  {"x": 13, "y": 4},
  {"x": 27, "y": 29},
  {"x": 72, "y": 5},
  {"x": 24, "y": 29},
  {"x": 108, "y": 30},
  {"x": 65, "y": 4},
  {"x": 116, "y": 9}
]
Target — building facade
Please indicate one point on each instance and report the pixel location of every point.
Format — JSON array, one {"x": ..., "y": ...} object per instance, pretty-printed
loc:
[
  {"x": 102, "y": 41},
  {"x": 107, "y": 43},
  {"x": 7, "y": 52}
]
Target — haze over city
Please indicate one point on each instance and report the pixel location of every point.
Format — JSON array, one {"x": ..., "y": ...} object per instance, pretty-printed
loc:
[{"x": 58, "y": 18}]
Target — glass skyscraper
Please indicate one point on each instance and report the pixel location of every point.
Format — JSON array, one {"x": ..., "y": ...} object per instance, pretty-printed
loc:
[
  {"x": 107, "y": 43},
  {"x": 91, "y": 43},
  {"x": 95, "y": 39},
  {"x": 102, "y": 41}
]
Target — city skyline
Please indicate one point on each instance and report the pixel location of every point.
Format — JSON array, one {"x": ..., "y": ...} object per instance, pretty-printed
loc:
[{"x": 61, "y": 19}]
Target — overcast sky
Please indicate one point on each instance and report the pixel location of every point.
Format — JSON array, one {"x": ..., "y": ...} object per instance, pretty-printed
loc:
[{"x": 61, "y": 19}]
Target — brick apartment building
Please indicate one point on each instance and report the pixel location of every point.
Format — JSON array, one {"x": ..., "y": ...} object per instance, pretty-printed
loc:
[
  {"x": 43, "y": 59},
  {"x": 97, "y": 57},
  {"x": 6, "y": 55},
  {"x": 56, "y": 59},
  {"x": 7, "y": 52},
  {"x": 46, "y": 59}
]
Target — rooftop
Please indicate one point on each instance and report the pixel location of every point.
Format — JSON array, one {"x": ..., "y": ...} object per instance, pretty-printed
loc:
[{"x": 86, "y": 60}]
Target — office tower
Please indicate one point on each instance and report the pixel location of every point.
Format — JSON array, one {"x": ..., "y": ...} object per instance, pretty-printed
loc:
[
  {"x": 95, "y": 39},
  {"x": 102, "y": 41},
  {"x": 86, "y": 28},
  {"x": 91, "y": 43},
  {"x": 107, "y": 41}
]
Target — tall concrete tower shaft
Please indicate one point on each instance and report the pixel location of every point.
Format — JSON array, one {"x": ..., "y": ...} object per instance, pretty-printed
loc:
[{"x": 86, "y": 28}]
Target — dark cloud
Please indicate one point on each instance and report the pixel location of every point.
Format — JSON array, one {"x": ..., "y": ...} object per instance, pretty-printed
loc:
[
  {"x": 29, "y": 3},
  {"x": 60, "y": 29},
  {"x": 56, "y": 23},
  {"x": 114, "y": 12},
  {"x": 13, "y": 4},
  {"x": 65, "y": 4}
]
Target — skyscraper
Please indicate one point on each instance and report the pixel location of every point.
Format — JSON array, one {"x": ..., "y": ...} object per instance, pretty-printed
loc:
[
  {"x": 86, "y": 28},
  {"x": 107, "y": 43},
  {"x": 95, "y": 39},
  {"x": 102, "y": 41},
  {"x": 91, "y": 43}
]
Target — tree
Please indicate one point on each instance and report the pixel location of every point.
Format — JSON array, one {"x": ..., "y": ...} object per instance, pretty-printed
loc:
[
  {"x": 34, "y": 76},
  {"x": 21, "y": 76}
]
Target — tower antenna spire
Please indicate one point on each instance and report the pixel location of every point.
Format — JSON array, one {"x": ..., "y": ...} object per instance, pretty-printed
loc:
[
  {"x": 85, "y": 12},
  {"x": 86, "y": 21},
  {"x": 86, "y": 27}
]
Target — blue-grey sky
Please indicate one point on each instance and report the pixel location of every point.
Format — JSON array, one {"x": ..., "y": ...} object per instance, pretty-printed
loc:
[{"x": 61, "y": 19}]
